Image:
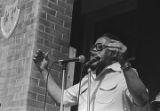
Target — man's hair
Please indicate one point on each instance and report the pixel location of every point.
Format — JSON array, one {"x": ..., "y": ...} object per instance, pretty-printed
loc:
[{"x": 111, "y": 36}]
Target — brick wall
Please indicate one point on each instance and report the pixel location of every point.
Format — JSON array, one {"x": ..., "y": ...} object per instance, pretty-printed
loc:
[{"x": 42, "y": 24}]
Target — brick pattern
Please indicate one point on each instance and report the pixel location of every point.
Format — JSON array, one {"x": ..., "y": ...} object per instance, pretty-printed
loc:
[
  {"x": 53, "y": 36},
  {"x": 45, "y": 25}
]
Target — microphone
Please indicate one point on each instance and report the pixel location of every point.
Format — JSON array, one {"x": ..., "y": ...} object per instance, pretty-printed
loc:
[
  {"x": 87, "y": 64},
  {"x": 80, "y": 59}
]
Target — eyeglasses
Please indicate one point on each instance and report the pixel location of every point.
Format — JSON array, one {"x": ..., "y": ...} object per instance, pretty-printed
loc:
[{"x": 98, "y": 47}]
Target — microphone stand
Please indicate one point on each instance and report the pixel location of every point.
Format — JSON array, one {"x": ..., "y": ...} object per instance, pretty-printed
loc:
[
  {"x": 89, "y": 89},
  {"x": 64, "y": 64}
]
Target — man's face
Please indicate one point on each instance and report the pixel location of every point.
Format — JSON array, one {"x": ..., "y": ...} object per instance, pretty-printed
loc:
[{"x": 100, "y": 49}]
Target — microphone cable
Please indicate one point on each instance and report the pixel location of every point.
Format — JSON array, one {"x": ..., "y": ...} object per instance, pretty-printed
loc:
[
  {"x": 46, "y": 91},
  {"x": 80, "y": 76}
]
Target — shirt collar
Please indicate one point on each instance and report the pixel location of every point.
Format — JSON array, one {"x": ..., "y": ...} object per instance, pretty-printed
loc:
[{"x": 115, "y": 66}]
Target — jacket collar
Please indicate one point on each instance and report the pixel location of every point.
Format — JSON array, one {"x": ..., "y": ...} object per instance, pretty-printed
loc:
[{"x": 115, "y": 66}]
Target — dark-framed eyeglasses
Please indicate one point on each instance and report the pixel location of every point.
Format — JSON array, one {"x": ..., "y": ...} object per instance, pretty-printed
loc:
[{"x": 98, "y": 47}]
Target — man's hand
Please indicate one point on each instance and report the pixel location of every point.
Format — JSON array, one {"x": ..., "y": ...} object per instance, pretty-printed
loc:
[
  {"x": 41, "y": 60},
  {"x": 117, "y": 46}
]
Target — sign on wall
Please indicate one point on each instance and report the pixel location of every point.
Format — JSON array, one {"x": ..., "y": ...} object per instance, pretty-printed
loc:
[{"x": 9, "y": 19}]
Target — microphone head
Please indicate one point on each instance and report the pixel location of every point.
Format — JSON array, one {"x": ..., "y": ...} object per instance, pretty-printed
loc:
[{"x": 81, "y": 58}]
